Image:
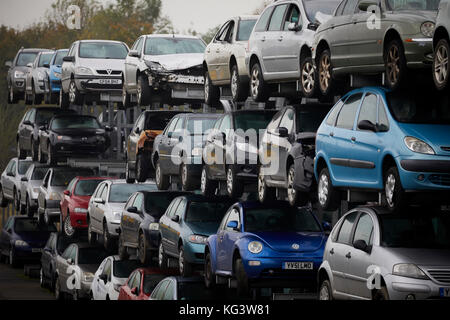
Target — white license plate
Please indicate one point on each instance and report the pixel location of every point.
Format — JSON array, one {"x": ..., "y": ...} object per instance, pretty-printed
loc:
[
  {"x": 109, "y": 81},
  {"x": 298, "y": 265},
  {"x": 36, "y": 250},
  {"x": 445, "y": 292}
]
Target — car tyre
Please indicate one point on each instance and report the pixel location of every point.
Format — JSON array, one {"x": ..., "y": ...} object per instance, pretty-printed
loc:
[
  {"x": 441, "y": 65},
  {"x": 162, "y": 257},
  {"x": 108, "y": 243},
  {"x": 207, "y": 186},
  {"x": 16, "y": 201},
  {"x": 21, "y": 153},
  {"x": 58, "y": 294},
  {"x": 36, "y": 98},
  {"x": 212, "y": 92},
  {"x": 41, "y": 156},
  {"x": 184, "y": 267},
  {"x": 328, "y": 196},
  {"x": 393, "y": 190},
  {"x": 210, "y": 279},
  {"x": 381, "y": 294},
  {"x": 126, "y": 99},
  {"x": 266, "y": 194},
  {"x": 325, "y": 73},
  {"x": 188, "y": 181},
  {"x": 325, "y": 292},
  {"x": 51, "y": 159},
  {"x": 123, "y": 253},
  {"x": 395, "y": 64},
  {"x": 69, "y": 230},
  {"x": 308, "y": 77},
  {"x": 143, "y": 91},
  {"x": 241, "y": 278},
  {"x": 144, "y": 254},
  {"x": 162, "y": 180},
  {"x": 258, "y": 88},
  {"x": 235, "y": 186},
  {"x": 295, "y": 197},
  {"x": 3, "y": 200},
  {"x": 141, "y": 168},
  {"x": 239, "y": 89},
  {"x": 12, "y": 258},
  {"x": 34, "y": 150},
  {"x": 92, "y": 236},
  {"x": 75, "y": 96},
  {"x": 28, "y": 211},
  {"x": 64, "y": 102}
]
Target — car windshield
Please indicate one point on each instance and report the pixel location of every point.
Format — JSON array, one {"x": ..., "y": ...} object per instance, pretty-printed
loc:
[
  {"x": 157, "y": 203},
  {"x": 199, "y": 126},
  {"x": 103, "y": 50},
  {"x": 396, "y": 5},
  {"x": 23, "y": 166},
  {"x": 86, "y": 187},
  {"x": 416, "y": 231},
  {"x": 207, "y": 211},
  {"x": 194, "y": 291},
  {"x": 122, "y": 269},
  {"x": 121, "y": 192},
  {"x": 59, "y": 57},
  {"x": 26, "y": 58},
  {"x": 313, "y": 7},
  {"x": 32, "y": 225},
  {"x": 62, "y": 244},
  {"x": 44, "y": 116},
  {"x": 45, "y": 58},
  {"x": 61, "y": 178},
  {"x": 158, "y": 121},
  {"x": 151, "y": 281},
  {"x": 284, "y": 219},
  {"x": 253, "y": 120},
  {"x": 413, "y": 107},
  {"x": 39, "y": 173},
  {"x": 309, "y": 119},
  {"x": 165, "y": 46},
  {"x": 75, "y": 122},
  {"x": 91, "y": 256},
  {"x": 245, "y": 29}
]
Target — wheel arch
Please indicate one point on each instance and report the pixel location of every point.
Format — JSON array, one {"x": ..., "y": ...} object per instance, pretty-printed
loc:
[
  {"x": 390, "y": 35},
  {"x": 321, "y": 46},
  {"x": 440, "y": 33}
]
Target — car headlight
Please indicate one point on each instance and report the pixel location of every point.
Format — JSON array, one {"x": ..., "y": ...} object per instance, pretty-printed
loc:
[
  {"x": 57, "y": 75},
  {"x": 40, "y": 76},
  {"x": 153, "y": 227},
  {"x": 19, "y": 74},
  {"x": 117, "y": 215},
  {"x": 83, "y": 71},
  {"x": 255, "y": 247},
  {"x": 419, "y": 146},
  {"x": 408, "y": 270},
  {"x": 88, "y": 276},
  {"x": 21, "y": 243},
  {"x": 197, "y": 152},
  {"x": 54, "y": 196},
  {"x": 154, "y": 66},
  {"x": 80, "y": 210},
  {"x": 198, "y": 239},
  {"x": 427, "y": 29},
  {"x": 36, "y": 190},
  {"x": 63, "y": 138}
]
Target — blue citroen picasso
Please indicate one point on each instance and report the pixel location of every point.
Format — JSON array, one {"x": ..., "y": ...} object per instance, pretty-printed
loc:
[
  {"x": 55, "y": 73},
  {"x": 266, "y": 245},
  {"x": 394, "y": 143}
]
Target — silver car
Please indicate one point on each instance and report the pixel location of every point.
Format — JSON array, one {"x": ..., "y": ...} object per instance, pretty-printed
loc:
[
  {"x": 374, "y": 254},
  {"x": 106, "y": 206},
  {"x": 280, "y": 47},
  {"x": 29, "y": 188},
  {"x": 37, "y": 85},
  {"x": 10, "y": 181},
  {"x": 92, "y": 71},
  {"x": 224, "y": 61},
  {"x": 441, "y": 45}
]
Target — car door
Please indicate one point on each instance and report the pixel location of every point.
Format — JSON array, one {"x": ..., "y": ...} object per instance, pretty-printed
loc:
[
  {"x": 164, "y": 224},
  {"x": 102, "y": 287},
  {"x": 67, "y": 69},
  {"x": 174, "y": 231},
  {"x": 225, "y": 52},
  {"x": 47, "y": 255},
  {"x": 43, "y": 189},
  {"x": 213, "y": 53},
  {"x": 62, "y": 266},
  {"x": 8, "y": 179},
  {"x": 164, "y": 145},
  {"x": 225, "y": 241},
  {"x": 223, "y": 146},
  {"x": 129, "y": 284},
  {"x": 102, "y": 207},
  {"x": 131, "y": 65},
  {"x": 133, "y": 138},
  {"x": 268, "y": 154},
  {"x": 93, "y": 205},
  {"x": 126, "y": 220},
  {"x": 22, "y": 128},
  {"x": 283, "y": 144},
  {"x": 173, "y": 140},
  {"x": 135, "y": 219}
]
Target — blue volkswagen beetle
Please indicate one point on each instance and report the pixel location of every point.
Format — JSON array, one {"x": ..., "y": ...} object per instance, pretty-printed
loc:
[
  {"x": 266, "y": 245},
  {"x": 393, "y": 143},
  {"x": 55, "y": 73}
]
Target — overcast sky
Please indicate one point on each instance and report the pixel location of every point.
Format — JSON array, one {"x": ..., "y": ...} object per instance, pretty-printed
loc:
[{"x": 199, "y": 15}]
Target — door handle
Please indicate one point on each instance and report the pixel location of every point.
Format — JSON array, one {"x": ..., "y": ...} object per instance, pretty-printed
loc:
[
  {"x": 280, "y": 38},
  {"x": 332, "y": 251},
  {"x": 353, "y": 139},
  {"x": 331, "y": 134},
  {"x": 349, "y": 255},
  {"x": 263, "y": 39}
]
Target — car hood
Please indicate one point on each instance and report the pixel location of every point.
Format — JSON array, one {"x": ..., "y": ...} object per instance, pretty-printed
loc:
[
  {"x": 203, "y": 228},
  {"x": 24, "y": 69},
  {"x": 416, "y": 15},
  {"x": 284, "y": 241},
  {"x": 116, "y": 207},
  {"x": 113, "y": 64},
  {"x": 421, "y": 256},
  {"x": 35, "y": 183},
  {"x": 81, "y": 201},
  {"x": 436, "y": 135},
  {"x": 79, "y": 132},
  {"x": 172, "y": 62},
  {"x": 35, "y": 239}
]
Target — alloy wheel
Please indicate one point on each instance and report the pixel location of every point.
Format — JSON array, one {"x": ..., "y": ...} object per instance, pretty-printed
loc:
[
  {"x": 68, "y": 229},
  {"x": 230, "y": 181},
  {"x": 206, "y": 87},
  {"x": 308, "y": 77},
  {"x": 393, "y": 64},
  {"x": 255, "y": 82},
  {"x": 234, "y": 83},
  {"x": 292, "y": 193},
  {"x": 441, "y": 66},
  {"x": 323, "y": 189},
  {"x": 325, "y": 72},
  {"x": 390, "y": 189},
  {"x": 72, "y": 92},
  {"x": 324, "y": 293}
]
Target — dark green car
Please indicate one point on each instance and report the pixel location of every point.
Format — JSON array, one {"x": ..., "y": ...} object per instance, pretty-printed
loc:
[{"x": 375, "y": 36}]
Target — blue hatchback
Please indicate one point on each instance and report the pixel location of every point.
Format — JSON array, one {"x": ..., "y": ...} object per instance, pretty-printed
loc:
[
  {"x": 393, "y": 143},
  {"x": 266, "y": 245},
  {"x": 55, "y": 72}
]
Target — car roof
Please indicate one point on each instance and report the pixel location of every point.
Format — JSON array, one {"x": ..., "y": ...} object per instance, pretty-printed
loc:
[
  {"x": 83, "y": 178},
  {"x": 34, "y": 50},
  {"x": 63, "y": 115},
  {"x": 258, "y": 205},
  {"x": 252, "y": 111},
  {"x": 377, "y": 89},
  {"x": 176, "y": 36},
  {"x": 202, "y": 115},
  {"x": 179, "y": 193},
  {"x": 193, "y": 279},
  {"x": 148, "y": 112},
  {"x": 201, "y": 198},
  {"x": 99, "y": 40}
]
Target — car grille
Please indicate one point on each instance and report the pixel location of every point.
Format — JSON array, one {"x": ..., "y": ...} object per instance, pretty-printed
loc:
[
  {"x": 446, "y": 149},
  {"x": 442, "y": 276},
  {"x": 113, "y": 72},
  {"x": 439, "y": 179}
]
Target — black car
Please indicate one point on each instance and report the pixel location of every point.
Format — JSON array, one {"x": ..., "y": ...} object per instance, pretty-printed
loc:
[
  {"x": 231, "y": 151},
  {"x": 55, "y": 246},
  {"x": 28, "y": 131},
  {"x": 141, "y": 142},
  {"x": 139, "y": 226},
  {"x": 179, "y": 288},
  {"x": 287, "y": 151},
  {"x": 178, "y": 151},
  {"x": 72, "y": 135},
  {"x": 22, "y": 239}
]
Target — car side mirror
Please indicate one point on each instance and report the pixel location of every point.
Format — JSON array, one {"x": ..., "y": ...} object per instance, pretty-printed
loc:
[
  {"x": 24, "y": 179},
  {"x": 132, "y": 210},
  {"x": 282, "y": 132},
  {"x": 176, "y": 219},
  {"x": 362, "y": 245},
  {"x": 103, "y": 277},
  {"x": 134, "y": 291},
  {"x": 326, "y": 226},
  {"x": 70, "y": 261},
  {"x": 134, "y": 54},
  {"x": 108, "y": 129},
  {"x": 27, "y": 122},
  {"x": 30, "y": 65},
  {"x": 47, "y": 65},
  {"x": 366, "y": 4},
  {"x": 9, "y": 230},
  {"x": 293, "y": 26},
  {"x": 137, "y": 130},
  {"x": 8, "y": 64},
  {"x": 367, "y": 125},
  {"x": 233, "y": 225},
  {"x": 69, "y": 59},
  {"x": 66, "y": 193},
  {"x": 43, "y": 128},
  {"x": 99, "y": 200},
  {"x": 10, "y": 174}
]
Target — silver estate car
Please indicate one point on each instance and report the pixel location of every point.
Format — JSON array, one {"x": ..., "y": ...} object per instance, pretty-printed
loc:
[
  {"x": 29, "y": 188},
  {"x": 374, "y": 254},
  {"x": 280, "y": 46},
  {"x": 37, "y": 85},
  {"x": 10, "y": 181},
  {"x": 224, "y": 62},
  {"x": 441, "y": 45}
]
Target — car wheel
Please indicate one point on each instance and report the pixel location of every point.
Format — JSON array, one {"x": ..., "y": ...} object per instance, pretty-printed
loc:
[
  {"x": 395, "y": 64},
  {"x": 12, "y": 258},
  {"x": 295, "y": 197},
  {"x": 75, "y": 96},
  {"x": 107, "y": 241},
  {"x": 325, "y": 292},
  {"x": 325, "y": 73},
  {"x": 381, "y": 294},
  {"x": 393, "y": 190},
  {"x": 308, "y": 77},
  {"x": 22, "y": 207},
  {"x": 3, "y": 200},
  {"x": 327, "y": 195},
  {"x": 184, "y": 267},
  {"x": 207, "y": 186},
  {"x": 34, "y": 151},
  {"x": 123, "y": 253},
  {"x": 144, "y": 254},
  {"x": 239, "y": 90},
  {"x": 41, "y": 157},
  {"x": 265, "y": 193},
  {"x": 210, "y": 280},
  {"x": 162, "y": 257},
  {"x": 64, "y": 102},
  {"x": 162, "y": 181},
  {"x": 126, "y": 98},
  {"x": 12, "y": 98},
  {"x": 37, "y": 98},
  {"x": 29, "y": 212},
  {"x": 41, "y": 278},
  {"x": 235, "y": 187},
  {"x": 441, "y": 66},
  {"x": 58, "y": 294},
  {"x": 16, "y": 201},
  {"x": 187, "y": 179},
  {"x": 92, "y": 236},
  {"x": 141, "y": 168},
  {"x": 143, "y": 91},
  {"x": 21, "y": 153},
  {"x": 212, "y": 92},
  {"x": 128, "y": 176},
  {"x": 69, "y": 230},
  {"x": 50, "y": 156},
  {"x": 258, "y": 87},
  {"x": 241, "y": 278},
  {"x": 28, "y": 99}
]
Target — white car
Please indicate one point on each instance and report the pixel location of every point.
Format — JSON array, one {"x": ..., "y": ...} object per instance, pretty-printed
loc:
[
  {"x": 37, "y": 85},
  {"x": 110, "y": 276}
]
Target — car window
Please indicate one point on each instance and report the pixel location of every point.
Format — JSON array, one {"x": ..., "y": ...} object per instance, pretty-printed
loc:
[
  {"x": 275, "y": 121},
  {"x": 104, "y": 195},
  {"x": 130, "y": 281},
  {"x": 170, "y": 291},
  {"x": 71, "y": 51},
  {"x": 206, "y": 211},
  {"x": 309, "y": 119},
  {"x": 27, "y": 116},
  {"x": 181, "y": 208},
  {"x": 398, "y": 5},
  {"x": 107, "y": 269},
  {"x": 226, "y": 124},
  {"x": 46, "y": 179},
  {"x": 140, "y": 45},
  {"x": 340, "y": 8},
  {"x": 123, "y": 268},
  {"x": 293, "y": 16},
  {"x": 139, "y": 126},
  {"x": 45, "y": 58},
  {"x": 121, "y": 192},
  {"x": 137, "y": 283},
  {"x": 86, "y": 187},
  {"x": 102, "y": 50},
  {"x": 253, "y": 120},
  {"x": 261, "y": 25},
  {"x": 277, "y": 17},
  {"x": 151, "y": 281},
  {"x": 173, "y": 45},
  {"x": 75, "y": 122},
  {"x": 222, "y": 32},
  {"x": 98, "y": 191},
  {"x": 369, "y": 109},
  {"x": 383, "y": 122},
  {"x": 38, "y": 173},
  {"x": 71, "y": 184},
  {"x": 160, "y": 289},
  {"x": 346, "y": 228},
  {"x": 13, "y": 168},
  {"x": 138, "y": 201},
  {"x": 66, "y": 254},
  {"x": 364, "y": 229},
  {"x": 171, "y": 127},
  {"x": 23, "y": 166},
  {"x": 26, "y": 58},
  {"x": 349, "y": 8},
  {"x": 245, "y": 29},
  {"x": 346, "y": 118},
  {"x": 61, "y": 178},
  {"x": 179, "y": 126},
  {"x": 288, "y": 120},
  {"x": 230, "y": 33},
  {"x": 233, "y": 216},
  {"x": 58, "y": 60},
  {"x": 31, "y": 225},
  {"x": 170, "y": 211}
]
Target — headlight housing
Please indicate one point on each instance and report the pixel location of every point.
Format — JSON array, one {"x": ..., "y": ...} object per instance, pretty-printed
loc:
[
  {"x": 19, "y": 74},
  {"x": 255, "y": 247},
  {"x": 57, "y": 75},
  {"x": 80, "y": 210},
  {"x": 21, "y": 243},
  {"x": 198, "y": 239},
  {"x": 117, "y": 215},
  {"x": 153, "y": 227},
  {"x": 408, "y": 270},
  {"x": 63, "y": 138},
  {"x": 83, "y": 71},
  {"x": 88, "y": 276},
  {"x": 54, "y": 196},
  {"x": 40, "y": 76},
  {"x": 419, "y": 146},
  {"x": 427, "y": 29},
  {"x": 154, "y": 66}
]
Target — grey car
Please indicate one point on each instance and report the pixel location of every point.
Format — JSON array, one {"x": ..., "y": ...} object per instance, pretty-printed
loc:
[
  {"x": 280, "y": 47},
  {"x": 10, "y": 181},
  {"x": 92, "y": 71},
  {"x": 374, "y": 254},
  {"x": 18, "y": 69},
  {"x": 441, "y": 45},
  {"x": 29, "y": 188},
  {"x": 224, "y": 61},
  {"x": 37, "y": 85},
  {"x": 375, "y": 37}
]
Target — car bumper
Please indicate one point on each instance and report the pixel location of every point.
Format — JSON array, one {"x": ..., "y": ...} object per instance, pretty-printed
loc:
[
  {"x": 53, "y": 208},
  {"x": 402, "y": 288},
  {"x": 80, "y": 148},
  {"x": 78, "y": 220},
  {"x": 85, "y": 289},
  {"x": 112, "y": 228},
  {"x": 194, "y": 252},
  {"x": 28, "y": 254},
  {"x": 18, "y": 85},
  {"x": 184, "y": 87},
  {"x": 426, "y": 173},
  {"x": 87, "y": 84},
  {"x": 55, "y": 85},
  {"x": 418, "y": 51}
]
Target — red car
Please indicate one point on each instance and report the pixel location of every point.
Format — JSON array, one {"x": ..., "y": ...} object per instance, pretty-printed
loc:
[
  {"x": 74, "y": 205},
  {"x": 141, "y": 283}
]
